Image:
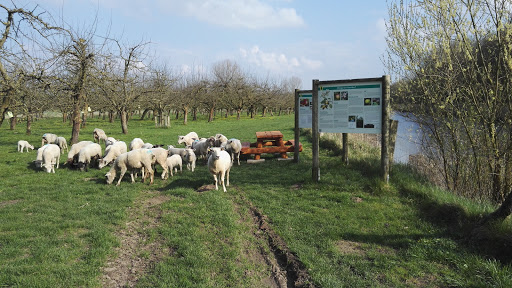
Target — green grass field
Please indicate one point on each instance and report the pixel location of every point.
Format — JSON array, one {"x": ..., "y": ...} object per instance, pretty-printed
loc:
[{"x": 70, "y": 229}]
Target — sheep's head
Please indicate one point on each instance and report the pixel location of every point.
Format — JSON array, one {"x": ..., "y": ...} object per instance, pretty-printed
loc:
[
  {"x": 110, "y": 177},
  {"x": 82, "y": 166},
  {"x": 181, "y": 139},
  {"x": 102, "y": 163}
]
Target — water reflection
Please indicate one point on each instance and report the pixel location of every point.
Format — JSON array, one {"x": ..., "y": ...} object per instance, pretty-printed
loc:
[{"x": 407, "y": 139}]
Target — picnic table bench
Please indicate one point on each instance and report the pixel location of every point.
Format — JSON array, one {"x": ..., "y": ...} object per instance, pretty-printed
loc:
[{"x": 269, "y": 142}]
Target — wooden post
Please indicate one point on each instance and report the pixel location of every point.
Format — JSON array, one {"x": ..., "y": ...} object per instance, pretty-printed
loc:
[
  {"x": 386, "y": 111},
  {"x": 345, "y": 147},
  {"x": 393, "y": 128},
  {"x": 297, "y": 131},
  {"x": 315, "y": 136}
]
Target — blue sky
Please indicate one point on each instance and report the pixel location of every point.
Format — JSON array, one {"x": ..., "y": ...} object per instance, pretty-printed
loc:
[{"x": 325, "y": 40}]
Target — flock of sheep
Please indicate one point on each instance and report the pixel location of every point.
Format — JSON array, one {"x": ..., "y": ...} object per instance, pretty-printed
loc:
[{"x": 219, "y": 151}]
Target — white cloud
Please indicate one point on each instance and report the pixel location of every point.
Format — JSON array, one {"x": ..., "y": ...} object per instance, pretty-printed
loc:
[
  {"x": 278, "y": 62},
  {"x": 252, "y": 14}
]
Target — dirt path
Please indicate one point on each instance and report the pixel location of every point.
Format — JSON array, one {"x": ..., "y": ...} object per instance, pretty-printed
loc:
[
  {"x": 135, "y": 253},
  {"x": 286, "y": 268}
]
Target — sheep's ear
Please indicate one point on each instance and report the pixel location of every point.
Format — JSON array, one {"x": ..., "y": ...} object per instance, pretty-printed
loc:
[{"x": 222, "y": 148}]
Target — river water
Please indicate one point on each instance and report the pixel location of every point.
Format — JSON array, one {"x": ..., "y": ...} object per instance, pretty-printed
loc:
[{"x": 407, "y": 139}]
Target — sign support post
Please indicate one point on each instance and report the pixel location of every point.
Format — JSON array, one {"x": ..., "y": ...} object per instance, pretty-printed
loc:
[{"x": 315, "y": 133}]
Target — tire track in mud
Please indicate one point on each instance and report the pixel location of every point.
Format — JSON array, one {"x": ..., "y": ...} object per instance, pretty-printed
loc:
[
  {"x": 286, "y": 268},
  {"x": 136, "y": 253}
]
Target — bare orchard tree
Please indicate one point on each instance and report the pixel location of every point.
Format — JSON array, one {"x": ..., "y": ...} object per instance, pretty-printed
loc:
[
  {"x": 455, "y": 62},
  {"x": 162, "y": 94},
  {"x": 125, "y": 83},
  {"x": 21, "y": 28},
  {"x": 225, "y": 77}
]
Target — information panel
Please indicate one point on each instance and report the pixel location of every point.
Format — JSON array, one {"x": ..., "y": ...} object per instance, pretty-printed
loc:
[
  {"x": 349, "y": 107},
  {"x": 305, "y": 109}
]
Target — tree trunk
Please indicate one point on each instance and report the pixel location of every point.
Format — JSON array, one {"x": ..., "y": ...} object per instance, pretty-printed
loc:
[
  {"x": 238, "y": 112},
  {"x": 75, "y": 131},
  {"x": 185, "y": 115},
  {"x": 13, "y": 120},
  {"x": 210, "y": 115},
  {"x": 64, "y": 117},
  {"x": 124, "y": 121},
  {"x": 194, "y": 114},
  {"x": 84, "y": 116},
  {"x": 502, "y": 212},
  {"x": 29, "y": 124},
  {"x": 144, "y": 113}
]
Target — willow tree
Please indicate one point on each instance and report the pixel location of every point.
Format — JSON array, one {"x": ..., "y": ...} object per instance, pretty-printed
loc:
[{"x": 454, "y": 60}]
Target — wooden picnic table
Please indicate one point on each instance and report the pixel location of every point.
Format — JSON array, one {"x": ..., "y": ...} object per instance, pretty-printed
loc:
[{"x": 269, "y": 142}]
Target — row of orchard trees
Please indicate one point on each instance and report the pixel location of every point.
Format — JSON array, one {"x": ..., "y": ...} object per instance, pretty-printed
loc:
[
  {"x": 453, "y": 60},
  {"x": 49, "y": 67}
]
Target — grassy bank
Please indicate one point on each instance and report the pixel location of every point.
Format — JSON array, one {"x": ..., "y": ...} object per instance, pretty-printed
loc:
[{"x": 63, "y": 229}]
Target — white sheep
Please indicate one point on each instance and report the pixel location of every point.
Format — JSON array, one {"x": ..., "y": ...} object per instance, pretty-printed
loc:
[
  {"x": 98, "y": 135},
  {"x": 63, "y": 144},
  {"x": 160, "y": 159},
  {"x": 147, "y": 145},
  {"x": 22, "y": 144},
  {"x": 188, "y": 139},
  {"x": 233, "y": 147},
  {"x": 132, "y": 160},
  {"x": 136, "y": 144},
  {"x": 220, "y": 140},
  {"x": 110, "y": 141},
  {"x": 201, "y": 147},
  {"x": 74, "y": 150},
  {"x": 112, "y": 152},
  {"x": 51, "y": 157},
  {"x": 39, "y": 157},
  {"x": 190, "y": 159},
  {"x": 87, "y": 154},
  {"x": 219, "y": 164},
  {"x": 173, "y": 162},
  {"x": 48, "y": 138}
]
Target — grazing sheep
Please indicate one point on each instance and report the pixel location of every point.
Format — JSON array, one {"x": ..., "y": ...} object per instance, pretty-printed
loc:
[
  {"x": 201, "y": 147},
  {"x": 160, "y": 159},
  {"x": 48, "y": 138},
  {"x": 63, "y": 144},
  {"x": 219, "y": 164},
  {"x": 22, "y": 144},
  {"x": 188, "y": 139},
  {"x": 98, "y": 135},
  {"x": 51, "y": 157},
  {"x": 190, "y": 159},
  {"x": 110, "y": 141},
  {"x": 75, "y": 149},
  {"x": 39, "y": 157},
  {"x": 89, "y": 153},
  {"x": 136, "y": 144},
  {"x": 147, "y": 145},
  {"x": 219, "y": 140},
  {"x": 173, "y": 162},
  {"x": 135, "y": 159},
  {"x": 112, "y": 152},
  {"x": 233, "y": 147}
]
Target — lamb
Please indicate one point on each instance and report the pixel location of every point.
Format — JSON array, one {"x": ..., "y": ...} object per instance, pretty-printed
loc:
[
  {"x": 160, "y": 159},
  {"x": 98, "y": 135},
  {"x": 233, "y": 147},
  {"x": 219, "y": 140},
  {"x": 22, "y": 144},
  {"x": 201, "y": 147},
  {"x": 190, "y": 159},
  {"x": 63, "y": 144},
  {"x": 173, "y": 162},
  {"x": 135, "y": 159},
  {"x": 51, "y": 156},
  {"x": 219, "y": 164},
  {"x": 87, "y": 154},
  {"x": 48, "y": 138},
  {"x": 75, "y": 149},
  {"x": 188, "y": 139},
  {"x": 112, "y": 152},
  {"x": 136, "y": 144}
]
